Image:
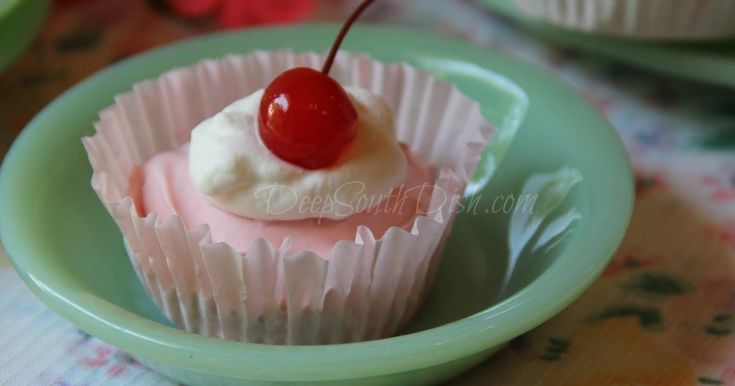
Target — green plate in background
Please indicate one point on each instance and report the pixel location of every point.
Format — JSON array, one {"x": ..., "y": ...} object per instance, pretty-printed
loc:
[
  {"x": 69, "y": 252},
  {"x": 20, "y": 20},
  {"x": 709, "y": 62}
]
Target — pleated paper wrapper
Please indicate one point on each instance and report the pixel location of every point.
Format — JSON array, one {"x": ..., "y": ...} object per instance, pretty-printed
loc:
[
  {"x": 648, "y": 19},
  {"x": 367, "y": 288}
]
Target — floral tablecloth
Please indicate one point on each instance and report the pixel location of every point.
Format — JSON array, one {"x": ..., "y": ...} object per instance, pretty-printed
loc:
[{"x": 663, "y": 313}]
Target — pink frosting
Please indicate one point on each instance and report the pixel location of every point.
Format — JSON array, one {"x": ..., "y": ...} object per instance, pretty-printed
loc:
[{"x": 163, "y": 186}]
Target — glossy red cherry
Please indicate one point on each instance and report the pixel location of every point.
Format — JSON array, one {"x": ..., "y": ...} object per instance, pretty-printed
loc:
[{"x": 306, "y": 118}]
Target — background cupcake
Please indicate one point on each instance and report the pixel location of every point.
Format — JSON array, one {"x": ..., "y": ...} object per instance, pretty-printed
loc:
[{"x": 650, "y": 19}]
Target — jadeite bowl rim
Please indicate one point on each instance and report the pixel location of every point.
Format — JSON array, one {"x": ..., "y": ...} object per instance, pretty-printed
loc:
[{"x": 553, "y": 290}]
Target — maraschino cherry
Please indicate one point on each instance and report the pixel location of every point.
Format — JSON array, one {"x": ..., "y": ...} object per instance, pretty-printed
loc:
[{"x": 306, "y": 117}]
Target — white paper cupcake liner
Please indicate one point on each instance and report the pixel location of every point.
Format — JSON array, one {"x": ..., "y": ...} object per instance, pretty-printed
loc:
[
  {"x": 650, "y": 19},
  {"x": 366, "y": 288}
]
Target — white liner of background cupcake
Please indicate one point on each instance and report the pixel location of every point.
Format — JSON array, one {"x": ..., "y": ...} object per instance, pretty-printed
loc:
[
  {"x": 654, "y": 19},
  {"x": 366, "y": 289}
]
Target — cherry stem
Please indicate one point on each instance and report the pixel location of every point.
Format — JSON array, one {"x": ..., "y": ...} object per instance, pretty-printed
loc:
[{"x": 341, "y": 36}]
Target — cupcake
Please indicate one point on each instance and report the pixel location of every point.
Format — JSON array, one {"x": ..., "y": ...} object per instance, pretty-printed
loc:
[
  {"x": 261, "y": 200},
  {"x": 647, "y": 19}
]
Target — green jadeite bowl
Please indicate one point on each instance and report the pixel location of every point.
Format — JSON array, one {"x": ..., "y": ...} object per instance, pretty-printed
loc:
[
  {"x": 68, "y": 251},
  {"x": 19, "y": 22}
]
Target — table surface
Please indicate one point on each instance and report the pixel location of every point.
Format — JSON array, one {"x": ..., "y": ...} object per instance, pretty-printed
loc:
[{"x": 662, "y": 314}]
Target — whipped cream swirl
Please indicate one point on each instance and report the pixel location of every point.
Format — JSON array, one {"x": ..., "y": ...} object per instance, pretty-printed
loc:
[{"x": 236, "y": 172}]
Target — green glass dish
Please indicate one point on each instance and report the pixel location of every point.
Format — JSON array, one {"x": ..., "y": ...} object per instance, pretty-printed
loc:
[
  {"x": 711, "y": 62},
  {"x": 20, "y": 20},
  {"x": 68, "y": 251}
]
